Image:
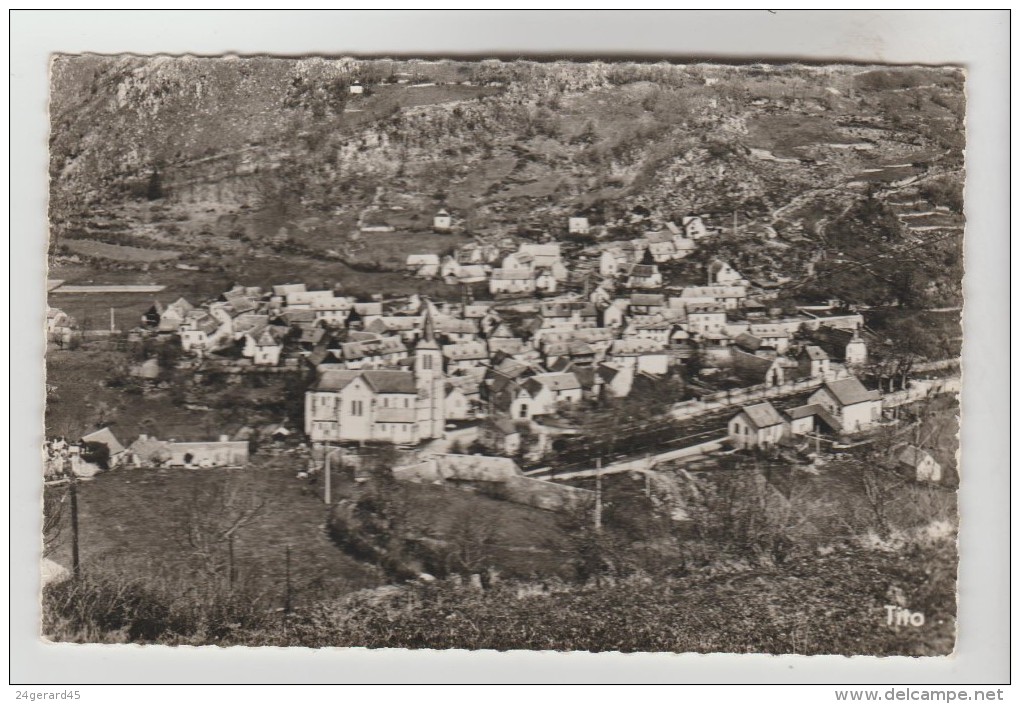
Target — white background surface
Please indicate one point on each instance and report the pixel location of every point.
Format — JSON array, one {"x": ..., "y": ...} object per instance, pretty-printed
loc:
[{"x": 976, "y": 40}]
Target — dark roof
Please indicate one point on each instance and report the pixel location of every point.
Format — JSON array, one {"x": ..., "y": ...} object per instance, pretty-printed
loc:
[
  {"x": 565, "y": 309},
  {"x": 561, "y": 364},
  {"x": 336, "y": 379},
  {"x": 762, "y": 415},
  {"x": 848, "y": 392},
  {"x": 585, "y": 376},
  {"x": 814, "y": 352},
  {"x": 608, "y": 372},
  {"x": 384, "y": 381},
  {"x": 803, "y": 411},
  {"x": 559, "y": 381},
  {"x": 312, "y": 335},
  {"x": 644, "y": 270},
  {"x": 295, "y": 316},
  {"x": 647, "y": 299},
  {"x": 207, "y": 324},
  {"x": 747, "y": 341}
]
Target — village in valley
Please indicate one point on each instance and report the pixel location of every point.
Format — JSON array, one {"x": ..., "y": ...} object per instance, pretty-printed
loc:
[{"x": 458, "y": 391}]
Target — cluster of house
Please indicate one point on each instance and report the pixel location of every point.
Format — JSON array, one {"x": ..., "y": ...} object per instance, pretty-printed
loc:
[
  {"x": 837, "y": 407},
  {"x": 540, "y": 268},
  {"x": 636, "y": 261},
  {"x": 65, "y": 458},
  {"x": 60, "y": 327},
  {"x": 404, "y": 378},
  {"x": 401, "y": 371},
  {"x": 532, "y": 268}
]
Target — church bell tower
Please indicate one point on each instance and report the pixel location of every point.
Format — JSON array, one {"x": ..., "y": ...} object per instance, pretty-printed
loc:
[{"x": 429, "y": 379}]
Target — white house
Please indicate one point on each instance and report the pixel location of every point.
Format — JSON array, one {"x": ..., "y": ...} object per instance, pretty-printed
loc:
[
  {"x": 921, "y": 463},
  {"x": 856, "y": 351},
  {"x": 813, "y": 362},
  {"x": 759, "y": 425},
  {"x": 719, "y": 272},
  {"x": 644, "y": 276},
  {"x": 612, "y": 261},
  {"x": 356, "y": 88},
  {"x": 706, "y": 318},
  {"x": 730, "y": 297},
  {"x": 694, "y": 227},
  {"x": 472, "y": 274},
  {"x": 545, "y": 255},
  {"x": 199, "y": 333},
  {"x": 518, "y": 261},
  {"x": 425, "y": 266},
  {"x": 464, "y": 355},
  {"x": 776, "y": 337},
  {"x": 850, "y": 403},
  {"x": 545, "y": 281},
  {"x": 615, "y": 380},
  {"x": 265, "y": 345},
  {"x": 442, "y": 221},
  {"x": 639, "y": 355},
  {"x": 333, "y": 310},
  {"x": 551, "y": 389},
  {"x": 661, "y": 246},
  {"x": 578, "y": 225},
  {"x": 506, "y": 281}
]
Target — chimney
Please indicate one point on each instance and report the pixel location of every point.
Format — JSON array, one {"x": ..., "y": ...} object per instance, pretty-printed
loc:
[
  {"x": 224, "y": 438},
  {"x": 143, "y": 436}
]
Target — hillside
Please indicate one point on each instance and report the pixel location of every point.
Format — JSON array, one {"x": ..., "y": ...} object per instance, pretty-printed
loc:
[{"x": 214, "y": 160}]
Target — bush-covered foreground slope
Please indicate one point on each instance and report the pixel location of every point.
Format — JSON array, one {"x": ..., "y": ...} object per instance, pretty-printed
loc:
[{"x": 833, "y": 603}]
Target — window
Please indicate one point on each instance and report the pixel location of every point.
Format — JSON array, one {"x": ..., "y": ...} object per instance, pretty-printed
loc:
[
  {"x": 426, "y": 362},
  {"x": 357, "y": 408},
  {"x": 406, "y": 402}
]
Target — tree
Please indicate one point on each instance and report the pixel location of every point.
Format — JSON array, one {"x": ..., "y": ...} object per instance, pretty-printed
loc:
[
  {"x": 154, "y": 190},
  {"x": 53, "y": 520},
  {"x": 213, "y": 519},
  {"x": 97, "y": 453}
]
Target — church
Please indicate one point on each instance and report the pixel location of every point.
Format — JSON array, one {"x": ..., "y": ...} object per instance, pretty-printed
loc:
[{"x": 398, "y": 406}]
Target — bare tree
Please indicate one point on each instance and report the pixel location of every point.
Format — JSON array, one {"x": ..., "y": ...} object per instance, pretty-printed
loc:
[
  {"x": 470, "y": 539},
  {"x": 53, "y": 520},
  {"x": 213, "y": 520}
]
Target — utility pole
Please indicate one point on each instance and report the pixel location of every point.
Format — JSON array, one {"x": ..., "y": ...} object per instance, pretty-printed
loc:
[
  {"x": 113, "y": 325},
  {"x": 231, "y": 568},
  {"x": 287, "y": 600},
  {"x": 598, "y": 493},
  {"x": 329, "y": 472},
  {"x": 73, "y": 491},
  {"x": 734, "y": 222}
]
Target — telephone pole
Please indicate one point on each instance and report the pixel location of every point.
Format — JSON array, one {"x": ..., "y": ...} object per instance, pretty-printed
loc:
[
  {"x": 73, "y": 491},
  {"x": 329, "y": 472}
]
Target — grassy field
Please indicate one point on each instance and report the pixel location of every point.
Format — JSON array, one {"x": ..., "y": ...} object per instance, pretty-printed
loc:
[
  {"x": 120, "y": 253},
  {"x": 84, "y": 402},
  {"x": 137, "y": 522},
  {"x": 92, "y": 310},
  {"x": 519, "y": 541},
  {"x": 782, "y": 134}
]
